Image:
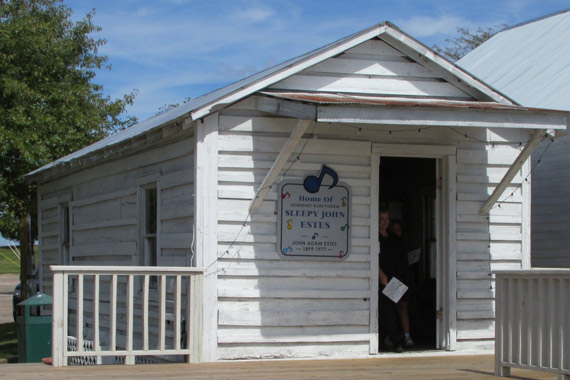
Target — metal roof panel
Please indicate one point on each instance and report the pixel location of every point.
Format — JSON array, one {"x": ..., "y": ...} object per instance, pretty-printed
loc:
[{"x": 529, "y": 62}]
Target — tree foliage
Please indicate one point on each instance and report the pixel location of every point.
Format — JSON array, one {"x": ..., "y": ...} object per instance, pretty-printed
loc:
[
  {"x": 168, "y": 107},
  {"x": 459, "y": 46},
  {"x": 49, "y": 104}
]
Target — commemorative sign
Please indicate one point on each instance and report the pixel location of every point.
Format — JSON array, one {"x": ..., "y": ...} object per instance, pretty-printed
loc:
[{"x": 314, "y": 217}]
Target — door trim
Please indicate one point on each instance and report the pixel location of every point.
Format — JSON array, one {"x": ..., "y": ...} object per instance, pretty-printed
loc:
[{"x": 446, "y": 225}]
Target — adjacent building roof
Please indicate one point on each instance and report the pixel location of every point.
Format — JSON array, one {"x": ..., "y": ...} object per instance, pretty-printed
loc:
[{"x": 530, "y": 62}]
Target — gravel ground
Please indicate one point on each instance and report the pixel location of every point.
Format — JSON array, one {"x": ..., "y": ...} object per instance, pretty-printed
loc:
[{"x": 7, "y": 284}]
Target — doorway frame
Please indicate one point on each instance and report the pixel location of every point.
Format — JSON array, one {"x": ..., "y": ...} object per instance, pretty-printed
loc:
[{"x": 446, "y": 226}]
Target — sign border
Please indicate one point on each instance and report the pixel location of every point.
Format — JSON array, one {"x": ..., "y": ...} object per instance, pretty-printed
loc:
[{"x": 312, "y": 257}]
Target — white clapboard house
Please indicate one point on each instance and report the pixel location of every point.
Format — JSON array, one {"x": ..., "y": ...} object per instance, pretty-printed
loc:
[
  {"x": 530, "y": 62},
  {"x": 272, "y": 187}
]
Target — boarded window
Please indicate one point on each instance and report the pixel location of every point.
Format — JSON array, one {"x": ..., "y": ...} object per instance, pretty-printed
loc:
[
  {"x": 64, "y": 234},
  {"x": 150, "y": 225}
]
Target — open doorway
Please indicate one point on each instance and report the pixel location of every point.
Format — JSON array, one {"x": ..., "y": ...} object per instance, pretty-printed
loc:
[{"x": 408, "y": 190}]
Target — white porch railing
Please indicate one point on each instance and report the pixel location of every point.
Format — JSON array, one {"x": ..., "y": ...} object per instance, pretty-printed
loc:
[
  {"x": 532, "y": 321},
  {"x": 131, "y": 307}
]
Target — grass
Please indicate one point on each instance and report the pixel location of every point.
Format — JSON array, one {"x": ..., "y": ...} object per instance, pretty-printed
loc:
[
  {"x": 9, "y": 264},
  {"x": 8, "y": 342}
]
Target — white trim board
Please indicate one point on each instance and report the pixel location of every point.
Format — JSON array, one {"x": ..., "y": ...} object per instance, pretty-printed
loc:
[
  {"x": 440, "y": 117},
  {"x": 447, "y": 226}
]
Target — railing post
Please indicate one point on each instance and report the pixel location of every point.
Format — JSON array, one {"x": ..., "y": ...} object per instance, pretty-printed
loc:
[
  {"x": 96, "y": 339},
  {"x": 58, "y": 336},
  {"x": 162, "y": 313},
  {"x": 79, "y": 315},
  {"x": 130, "y": 358},
  {"x": 113, "y": 311},
  {"x": 500, "y": 307},
  {"x": 195, "y": 330},
  {"x": 145, "y": 311},
  {"x": 177, "y": 311}
]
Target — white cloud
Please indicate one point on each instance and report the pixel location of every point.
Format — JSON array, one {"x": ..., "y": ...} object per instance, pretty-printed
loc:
[
  {"x": 255, "y": 14},
  {"x": 427, "y": 26},
  {"x": 517, "y": 7}
]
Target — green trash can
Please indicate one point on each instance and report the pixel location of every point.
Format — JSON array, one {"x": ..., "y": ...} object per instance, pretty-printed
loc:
[{"x": 34, "y": 329}]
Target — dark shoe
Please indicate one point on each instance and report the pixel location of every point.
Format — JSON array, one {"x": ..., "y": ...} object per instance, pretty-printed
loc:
[
  {"x": 388, "y": 342},
  {"x": 408, "y": 342},
  {"x": 398, "y": 349}
]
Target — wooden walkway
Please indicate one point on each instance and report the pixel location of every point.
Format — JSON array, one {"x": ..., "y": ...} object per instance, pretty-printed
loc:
[{"x": 377, "y": 368}]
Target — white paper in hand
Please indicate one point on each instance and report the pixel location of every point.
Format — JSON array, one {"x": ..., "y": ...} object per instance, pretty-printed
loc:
[{"x": 395, "y": 289}]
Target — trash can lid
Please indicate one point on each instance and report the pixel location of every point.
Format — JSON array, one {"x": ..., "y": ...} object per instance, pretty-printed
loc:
[{"x": 37, "y": 300}]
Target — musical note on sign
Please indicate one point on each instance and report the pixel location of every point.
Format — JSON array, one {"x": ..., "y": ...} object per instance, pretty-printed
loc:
[
  {"x": 287, "y": 250},
  {"x": 341, "y": 254},
  {"x": 343, "y": 201},
  {"x": 286, "y": 195},
  {"x": 316, "y": 235},
  {"x": 345, "y": 227},
  {"x": 289, "y": 226},
  {"x": 313, "y": 183}
]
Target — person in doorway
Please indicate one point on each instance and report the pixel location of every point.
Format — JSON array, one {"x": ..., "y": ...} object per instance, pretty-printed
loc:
[
  {"x": 396, "y": 228},
  {"x": 391, "y": 265},
  {"x": 403, "y": 309}
]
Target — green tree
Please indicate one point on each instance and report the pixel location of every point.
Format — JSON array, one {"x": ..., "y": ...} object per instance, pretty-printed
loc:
[
  {"x": 459, "y": 46},
  {"x": 168, "y": 107},
  {"x": 49, "y": 104}
]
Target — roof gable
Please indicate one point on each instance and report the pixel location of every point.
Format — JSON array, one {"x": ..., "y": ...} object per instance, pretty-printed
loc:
[
  {"x": 386, "y": 32},
  {"x": 373, "y": 68}
]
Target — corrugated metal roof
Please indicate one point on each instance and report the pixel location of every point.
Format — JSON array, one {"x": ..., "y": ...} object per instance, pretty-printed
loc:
[
  {"x": 529, "y": 62},
  {"x": 330, "y": 98}
]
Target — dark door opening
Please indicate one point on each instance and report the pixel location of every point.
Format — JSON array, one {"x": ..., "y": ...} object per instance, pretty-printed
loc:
[{"x": 408, "y": 191}]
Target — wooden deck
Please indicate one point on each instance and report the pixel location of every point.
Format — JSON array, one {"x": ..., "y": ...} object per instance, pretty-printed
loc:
[{"x": 397, "y": 368}]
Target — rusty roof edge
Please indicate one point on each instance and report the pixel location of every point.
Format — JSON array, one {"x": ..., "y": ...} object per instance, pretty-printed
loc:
[{"x": 375, "y": 100}]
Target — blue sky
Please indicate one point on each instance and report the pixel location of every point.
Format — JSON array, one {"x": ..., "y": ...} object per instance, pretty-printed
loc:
[{"x": 169, "y": 50}]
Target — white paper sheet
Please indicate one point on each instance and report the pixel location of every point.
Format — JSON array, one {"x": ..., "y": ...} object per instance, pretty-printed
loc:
[{"x": 395, "y": 289}]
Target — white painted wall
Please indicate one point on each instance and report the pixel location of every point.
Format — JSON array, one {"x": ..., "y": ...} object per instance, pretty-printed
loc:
[
  {"x": 104, "y": 208},
  {"x": 270, "y": 307}
]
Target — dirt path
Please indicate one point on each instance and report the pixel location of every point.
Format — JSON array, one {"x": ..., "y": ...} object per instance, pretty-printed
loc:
[{"x": 7, "y": 284}]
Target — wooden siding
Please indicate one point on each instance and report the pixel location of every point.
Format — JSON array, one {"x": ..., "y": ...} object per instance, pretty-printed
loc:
[
  {"x": 486, "y": 243},
  {"x": 104, "y": 208},
  {"x": 270, "y": 307},
  {"x": 551, "y": 206},
  {"x": 373, "y": 67}
]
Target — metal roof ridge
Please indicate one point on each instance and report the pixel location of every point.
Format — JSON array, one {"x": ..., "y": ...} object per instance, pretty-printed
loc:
[{"x": 536, "y": 19}]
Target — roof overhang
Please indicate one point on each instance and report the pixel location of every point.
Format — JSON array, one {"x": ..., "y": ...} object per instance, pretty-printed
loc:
[{"x": 342, "y": 108}]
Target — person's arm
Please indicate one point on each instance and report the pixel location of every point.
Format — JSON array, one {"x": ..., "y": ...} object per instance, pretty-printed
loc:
[{"x": 382, "y": 277}]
